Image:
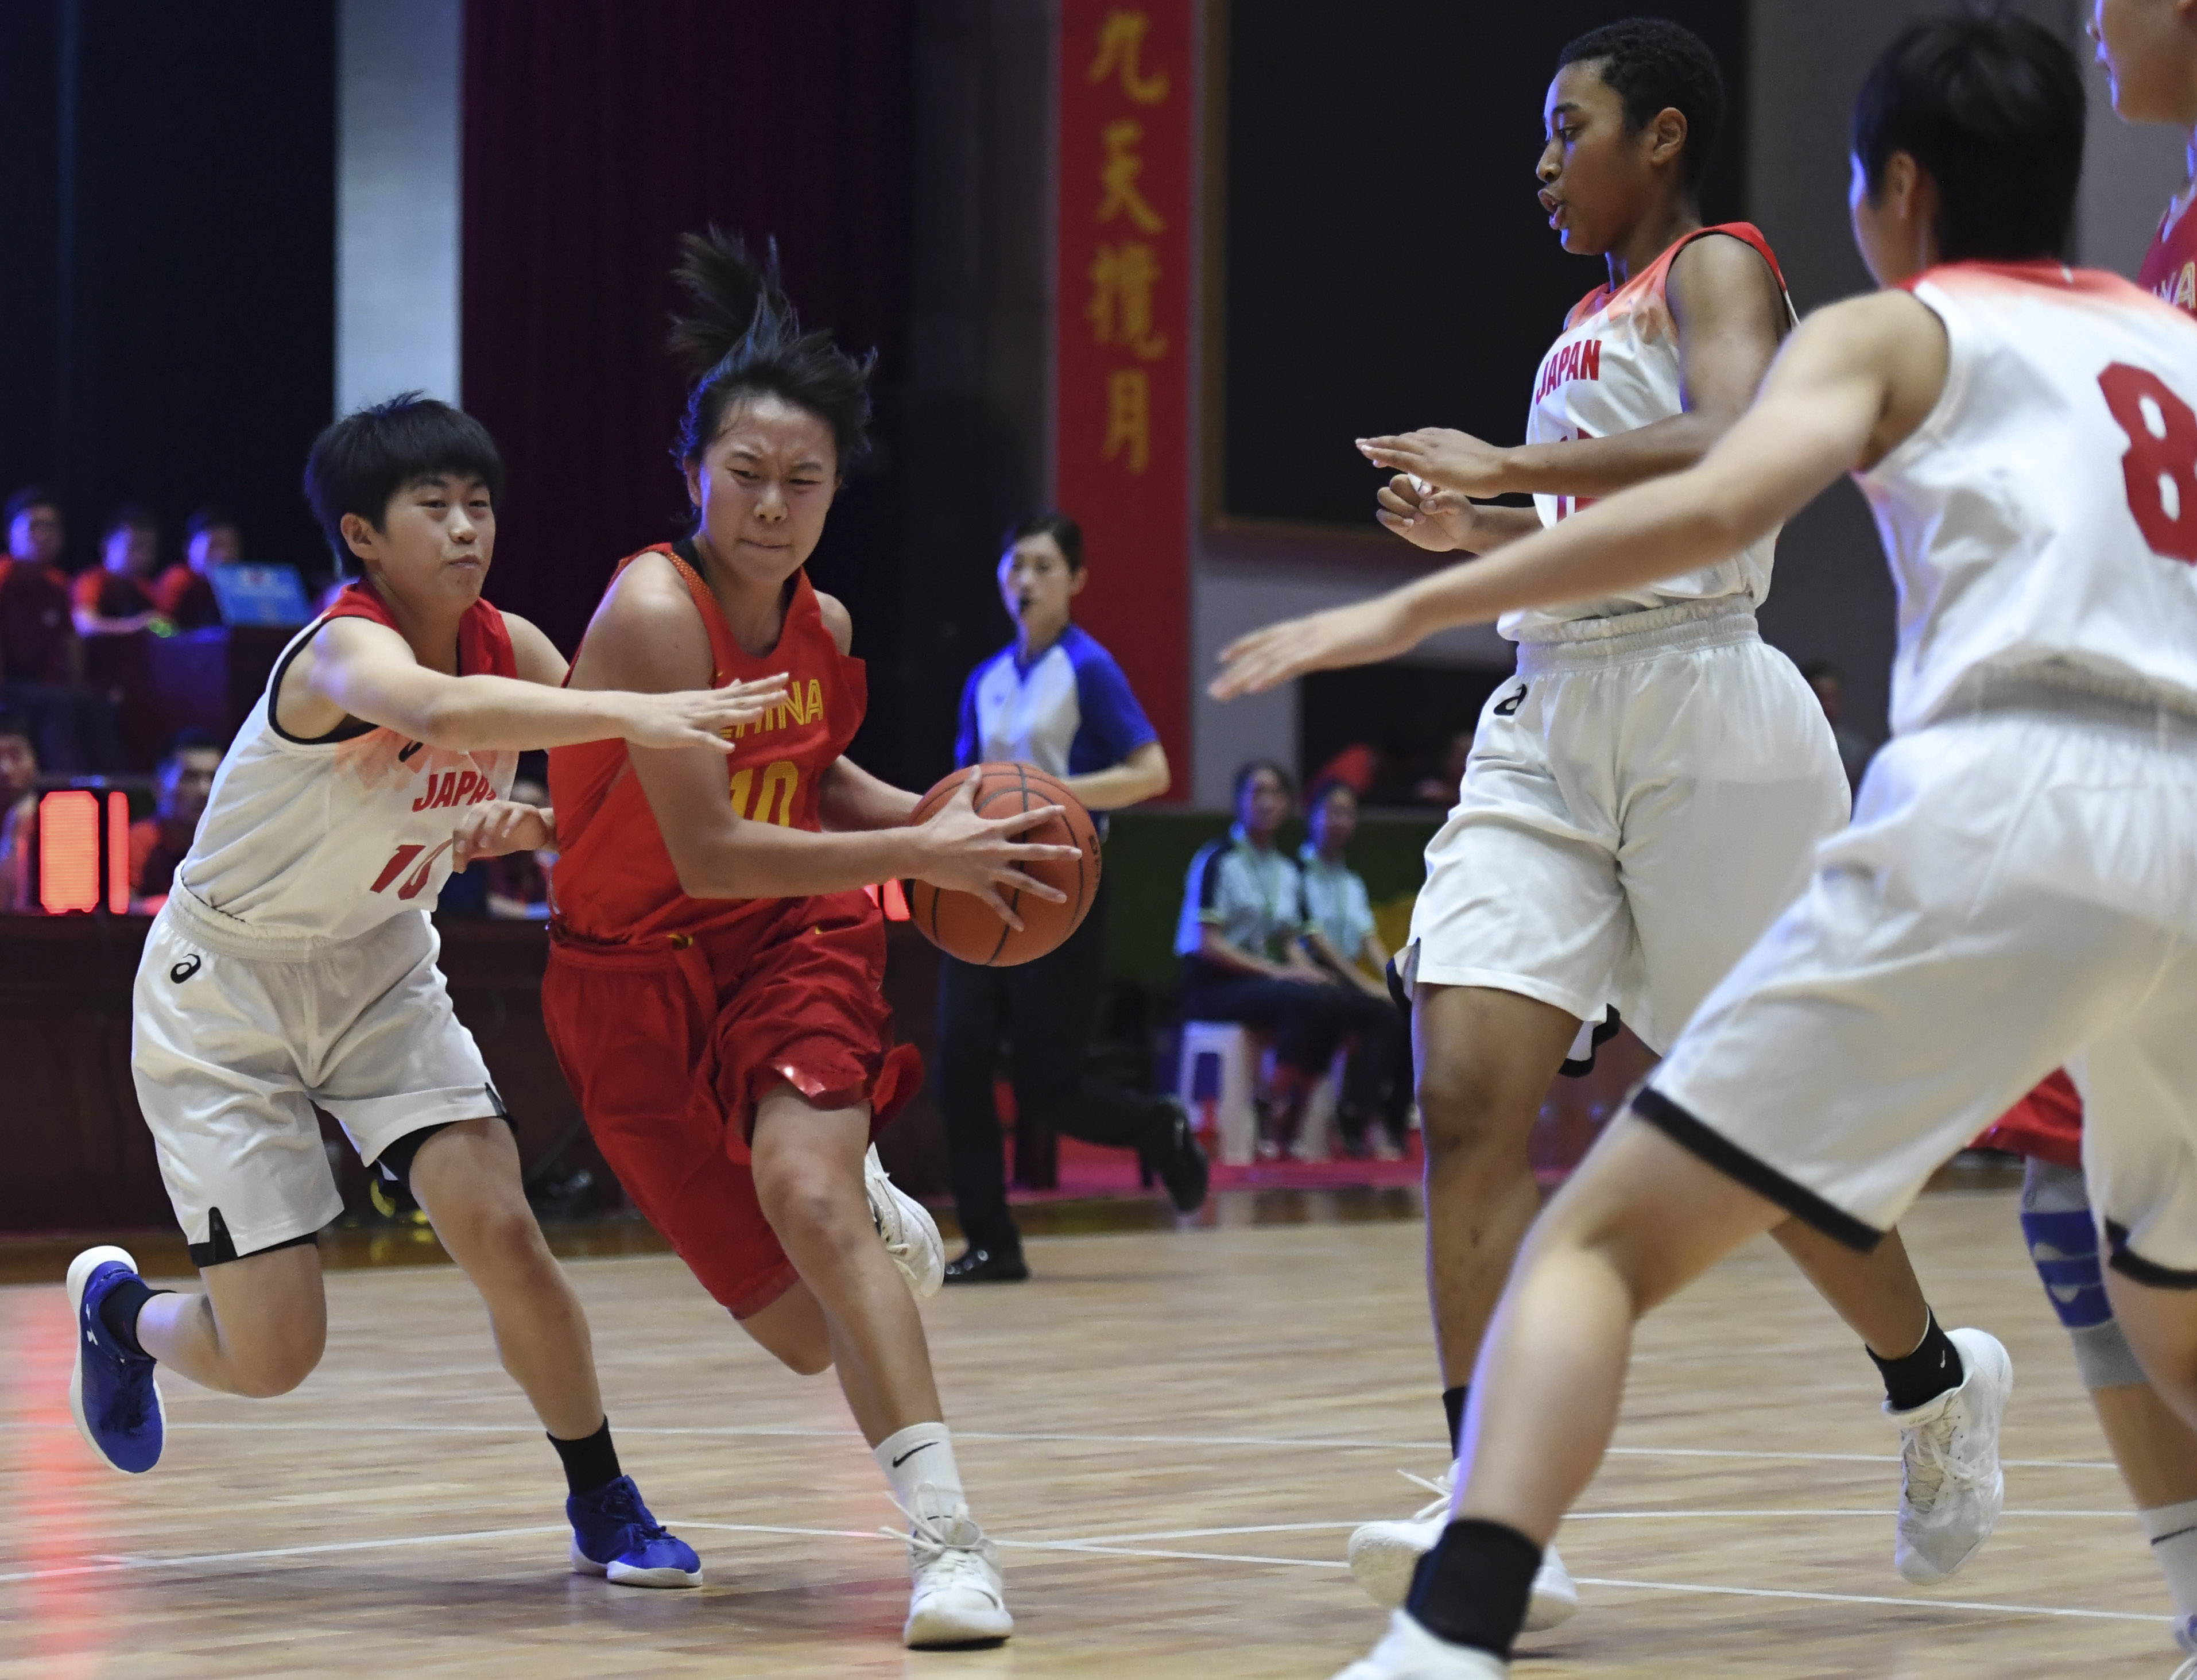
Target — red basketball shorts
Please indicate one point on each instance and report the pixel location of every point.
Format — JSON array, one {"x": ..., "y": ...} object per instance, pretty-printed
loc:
[
  {"x": 670, "y": 1049},
  {"x": 2047, "y": 1123}
]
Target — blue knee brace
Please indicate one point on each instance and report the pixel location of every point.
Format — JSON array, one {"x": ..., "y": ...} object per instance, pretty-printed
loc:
[{"x": 2064, "y": 1247}]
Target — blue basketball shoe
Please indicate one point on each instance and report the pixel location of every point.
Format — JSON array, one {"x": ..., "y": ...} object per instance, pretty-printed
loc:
[
  {"x": 614, "y": 1535},
  {"x": 112, "y": 1392}
]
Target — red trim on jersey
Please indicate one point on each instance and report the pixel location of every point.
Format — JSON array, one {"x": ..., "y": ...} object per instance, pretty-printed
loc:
[
  {"x": 2169, "y": 271},
  {"x": 484, "y": 638},
  {"x": 1656, "y": 276},
  {"x": 2095, "y": 284}
]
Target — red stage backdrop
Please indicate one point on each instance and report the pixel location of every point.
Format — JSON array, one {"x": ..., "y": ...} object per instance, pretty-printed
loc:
[{"x": 1121, "y": 335}]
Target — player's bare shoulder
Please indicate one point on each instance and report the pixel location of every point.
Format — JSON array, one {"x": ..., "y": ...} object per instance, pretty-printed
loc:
[
  {"x": 1891, "y": 338},
  {"x": 648, "y": 634},
  {"x": 301, "y": 703},
  {"x": 838, "y": 620},
  {"x": 535, "y": 655},
  {"x": 1720, "y": 274}
]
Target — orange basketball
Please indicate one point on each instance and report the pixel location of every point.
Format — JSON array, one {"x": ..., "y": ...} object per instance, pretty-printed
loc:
[{"x": 964, "y": 926}]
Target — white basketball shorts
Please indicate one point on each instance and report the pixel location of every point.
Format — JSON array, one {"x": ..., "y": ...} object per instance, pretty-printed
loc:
[
  {"x": 1641, "y": 801},
  {"x": 237, "y": 1035},
  {"x": 2018, "y": 893}
]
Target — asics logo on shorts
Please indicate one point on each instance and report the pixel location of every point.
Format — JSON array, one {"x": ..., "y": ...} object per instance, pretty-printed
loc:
[
  {"x": 1509, "y": 707},
  {"x": 184, "y": 969}
]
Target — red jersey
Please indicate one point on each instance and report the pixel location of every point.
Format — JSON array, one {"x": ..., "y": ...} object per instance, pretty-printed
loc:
[
  {"x": 614, "y": 883},
  {"x": 2170, "y": 266},
  {"x": 111, "y": 594},
  {"x": 187, "y": 597},
  {"x": 34, "y": 622}
]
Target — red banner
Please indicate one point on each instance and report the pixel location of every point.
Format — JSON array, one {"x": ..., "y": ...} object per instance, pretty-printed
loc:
[{"x": 1122, "y": 338}]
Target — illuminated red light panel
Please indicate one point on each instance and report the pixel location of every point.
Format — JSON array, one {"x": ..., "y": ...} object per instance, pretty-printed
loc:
[
  {"x": 69, "y": 851},
  {"x": 118, "y": 853}
]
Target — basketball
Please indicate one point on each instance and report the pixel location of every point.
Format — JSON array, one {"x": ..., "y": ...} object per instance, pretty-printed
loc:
[{"x": 964, "y": 926}]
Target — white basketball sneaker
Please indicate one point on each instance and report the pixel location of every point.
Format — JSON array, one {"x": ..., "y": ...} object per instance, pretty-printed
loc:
[
  {"x": 1384, "y": 1554},
  {"x": 957, "y": 1597},
  {"x": 1951, "y": 1488},
  {"x": 1411, "y": 1653},
  {"x": 910, "y": 1234}
]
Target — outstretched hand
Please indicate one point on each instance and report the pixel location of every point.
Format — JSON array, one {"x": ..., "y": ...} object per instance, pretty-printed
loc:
[
  {"x": 979, "y": 855},
  {"x": 498, "y": 827},
  {"x": 1448, "y": 460},
  {"x": 701, "y": 717},
  {"x": 1361, "y": 634}
]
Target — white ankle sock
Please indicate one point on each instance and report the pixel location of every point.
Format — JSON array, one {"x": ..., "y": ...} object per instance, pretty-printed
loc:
[
  {"x": 919, "y": 1460},
  {"x": 2172, "y": 1531}
]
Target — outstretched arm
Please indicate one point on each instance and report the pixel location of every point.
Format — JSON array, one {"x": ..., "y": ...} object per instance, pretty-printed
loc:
[
  {"x": 355, "y": 668},
  {"x": 647, "y": 636},
  {"x": 1854, "y": 381},
  {"x": 1730, "y": 317}
]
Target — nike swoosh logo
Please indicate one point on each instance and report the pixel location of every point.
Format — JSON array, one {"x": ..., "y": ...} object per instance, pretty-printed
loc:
[
  {"x": 911, "y": 1453},
  {"x": 405, "y": 754}
]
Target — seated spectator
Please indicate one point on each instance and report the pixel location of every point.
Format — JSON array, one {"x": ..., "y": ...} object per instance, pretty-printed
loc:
[
  {"x": 158, "y": 843},
  {"x": 1442, "y": 789},
  {"x": 115, "y": 597},
  {"x": 41, "y": 661},
  {"x": 184, "y": 591},
  {"x": 1240, "y": 939},
  {"x": 1855, "y": 749},
  {"x": 18, "y": 810},
  {"x": 1339, "y": 933}
]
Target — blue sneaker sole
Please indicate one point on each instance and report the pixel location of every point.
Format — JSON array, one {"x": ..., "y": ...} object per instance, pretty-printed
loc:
[
  {"x": 625, "y": 1575},
  {"x": 79, "y": 1274}
]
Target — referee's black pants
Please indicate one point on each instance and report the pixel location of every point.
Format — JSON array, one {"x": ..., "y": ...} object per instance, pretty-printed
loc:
[{"x": 1045, "y": 1010}]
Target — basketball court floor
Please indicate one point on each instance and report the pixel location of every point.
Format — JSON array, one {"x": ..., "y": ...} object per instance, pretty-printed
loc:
[{"x": 1171, "y": 1434}]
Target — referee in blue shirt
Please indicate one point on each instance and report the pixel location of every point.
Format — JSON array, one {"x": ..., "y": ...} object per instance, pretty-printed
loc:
[{"x": 1056, "y": 700}]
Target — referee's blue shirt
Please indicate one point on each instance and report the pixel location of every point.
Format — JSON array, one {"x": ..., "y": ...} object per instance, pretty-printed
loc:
[{"x": 1069, "y": 711}]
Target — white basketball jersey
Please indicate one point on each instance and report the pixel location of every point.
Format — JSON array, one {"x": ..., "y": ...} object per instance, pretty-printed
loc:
[
  {"x": 1614, "y": 369},
  {"x": 329, "y": 839},
  {"x": 2041, "y": 524}
]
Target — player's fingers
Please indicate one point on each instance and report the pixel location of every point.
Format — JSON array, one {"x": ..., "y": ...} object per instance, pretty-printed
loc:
[
  {"x": 1033, "y": 852},
  {"x": 1018, "y": 881},
  {"x": 1394, "y": 510},
  {"x": 1001, "y": 908},
  {"x": 1019, "y": 821},
  {"x": 699, "y": 737}
]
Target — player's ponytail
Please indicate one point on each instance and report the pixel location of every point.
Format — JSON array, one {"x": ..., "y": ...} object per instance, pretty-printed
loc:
[{"x": 738, "y": 337}]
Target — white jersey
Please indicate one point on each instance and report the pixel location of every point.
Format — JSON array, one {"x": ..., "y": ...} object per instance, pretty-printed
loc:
[
  {"x": 328, "y": 839},
  {"x": 2041, "y": 522},
  {"x": 1614, "y": 369}
]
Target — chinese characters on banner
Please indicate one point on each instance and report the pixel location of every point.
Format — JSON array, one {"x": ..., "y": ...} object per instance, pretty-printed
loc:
[{"x": 1122, "y": 338}]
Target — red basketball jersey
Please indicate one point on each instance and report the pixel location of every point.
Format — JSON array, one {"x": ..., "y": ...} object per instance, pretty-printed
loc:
[
  {"x": 614, "y": 882},
  {"x": 2170, "y": 266}
]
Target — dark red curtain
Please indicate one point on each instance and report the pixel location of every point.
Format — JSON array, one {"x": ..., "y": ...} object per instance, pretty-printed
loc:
[{"x": 594, "y": 134}]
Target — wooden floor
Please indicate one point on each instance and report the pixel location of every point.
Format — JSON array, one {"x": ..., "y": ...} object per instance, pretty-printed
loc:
[{"x": 1170, "y": 1434}]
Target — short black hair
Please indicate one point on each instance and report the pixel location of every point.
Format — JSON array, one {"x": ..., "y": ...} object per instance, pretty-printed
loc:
[
  {"x": 1992, "y": 107},
  {"x": 1245, "y": 771},
  {"x": 131, "y": 515},
  {"x": 30, "y": 496},
  {"x": 1654, "y": 64},
  {"x": 190, "y": 738},
  {"x": 740, "y": 337},
  {"x": 1323, "y": 788},
  {"x": 363, "y": 461},
  {"x": 1066, "y": 534},
  {"x": 207, "y": 518}
]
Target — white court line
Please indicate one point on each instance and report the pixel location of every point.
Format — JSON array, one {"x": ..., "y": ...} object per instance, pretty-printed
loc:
[
  {"x": 1414, "y": 1449},
  {"x": 1095, "y": 1546}
]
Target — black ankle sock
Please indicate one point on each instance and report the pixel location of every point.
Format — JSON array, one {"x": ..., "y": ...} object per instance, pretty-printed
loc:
[
  {"x": 590, "y": 1462},
  {"x": 1453, "y": 1409},
  {"x": 118, "y": 1312},
  {"x": 1471, "y": 1589},
  {"x": 1918, "y": 1378}
]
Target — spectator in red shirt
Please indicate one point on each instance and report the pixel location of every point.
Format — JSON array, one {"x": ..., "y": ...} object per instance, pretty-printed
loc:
[
  {"x": 185, "y": 592},
  {"x": 158, "y": 843},
  {"x": 115, "y": 597},
  {"x": 19, "y": 808},
  {"x": 41, "y": 660}
]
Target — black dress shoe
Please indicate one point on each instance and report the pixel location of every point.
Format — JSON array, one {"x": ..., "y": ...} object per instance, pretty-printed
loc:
[
  {"x": 988, "y": 1266},
  {"x": 1181, "y": 1163}
]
